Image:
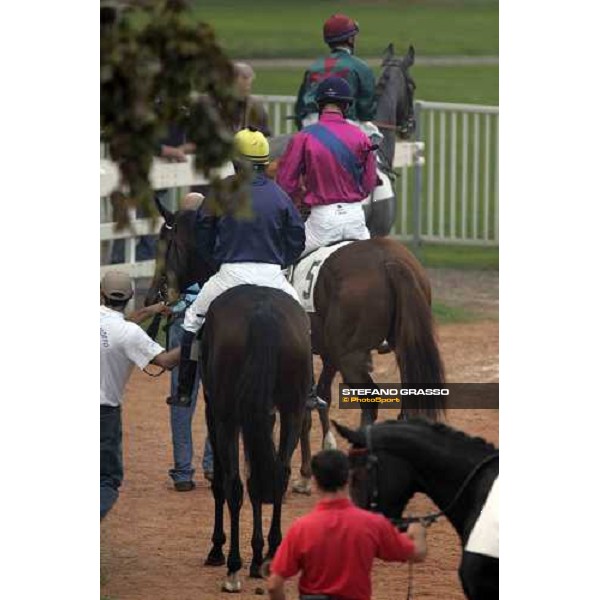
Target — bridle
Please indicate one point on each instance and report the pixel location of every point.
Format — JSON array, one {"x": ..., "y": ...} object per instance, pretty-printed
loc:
[
  {"x": 407, "y": 125},
  {"x": 402, "y": 523},
  {"x": 162, "y": 295}
]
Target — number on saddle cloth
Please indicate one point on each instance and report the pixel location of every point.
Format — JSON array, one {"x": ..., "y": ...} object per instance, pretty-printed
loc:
[{"x": 340, "y": 151}]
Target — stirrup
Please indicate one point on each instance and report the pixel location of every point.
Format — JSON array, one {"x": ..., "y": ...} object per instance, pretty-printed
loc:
[{"x": 313, "y": 401}]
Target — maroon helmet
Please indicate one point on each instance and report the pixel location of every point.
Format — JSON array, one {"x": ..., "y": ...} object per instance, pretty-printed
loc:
[{"x": 339, "y": 28}]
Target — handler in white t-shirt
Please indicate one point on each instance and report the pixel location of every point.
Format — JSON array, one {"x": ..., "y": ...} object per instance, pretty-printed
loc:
[{"x": 123, "y": 344}]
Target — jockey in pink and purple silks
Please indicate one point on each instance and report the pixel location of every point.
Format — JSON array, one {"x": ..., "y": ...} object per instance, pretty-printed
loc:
[{"x": 334, "y": 162}]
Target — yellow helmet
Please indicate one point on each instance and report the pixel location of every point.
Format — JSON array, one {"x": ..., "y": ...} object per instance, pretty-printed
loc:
[{"x": 252, "y": 145}]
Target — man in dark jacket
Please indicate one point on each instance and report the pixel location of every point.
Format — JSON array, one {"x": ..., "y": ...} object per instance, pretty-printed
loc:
[
  {"x": 249, "y": 112},
  {"x": 250, "y": 244}
]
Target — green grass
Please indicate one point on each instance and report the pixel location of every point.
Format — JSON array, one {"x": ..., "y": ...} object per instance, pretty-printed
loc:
[
  {"x": 468, "y": 84},
  {"x": 445, "y": 314},
  {"x": 458, "y": 257},
  {"x": 272, "y": 28}
]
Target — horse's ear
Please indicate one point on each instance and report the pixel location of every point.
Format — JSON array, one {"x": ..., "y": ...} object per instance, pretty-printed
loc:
[
  {"x": 409, "y": 59},
  {"x": 388, "y": 53},
  {"x": 165, "y": 213},
  {"x": 356, "y": 438}
]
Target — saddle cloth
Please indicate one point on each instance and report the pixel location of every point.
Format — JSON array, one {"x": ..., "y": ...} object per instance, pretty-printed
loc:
[
  {"x": 305, "y": 273},
  {"x": 484, "y": 538}
]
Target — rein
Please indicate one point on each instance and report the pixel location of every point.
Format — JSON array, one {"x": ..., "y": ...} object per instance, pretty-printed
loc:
[
  {"x": 391, "y": 126},
  {"x": 153, "y": 328}
]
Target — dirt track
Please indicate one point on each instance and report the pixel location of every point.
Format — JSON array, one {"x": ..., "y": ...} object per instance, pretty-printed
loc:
[{"x": 155, "y": 540}]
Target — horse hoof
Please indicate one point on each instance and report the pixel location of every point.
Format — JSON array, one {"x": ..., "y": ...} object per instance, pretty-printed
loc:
[
  {"x": 255, "y": 571},
  {"x": 214, "y": 560},
  {"x": 302, "y": 486},
  {"x": 329, "y": 442},
  {"x": 232, "y": 584},
  {"x": 265, "y": 568}
]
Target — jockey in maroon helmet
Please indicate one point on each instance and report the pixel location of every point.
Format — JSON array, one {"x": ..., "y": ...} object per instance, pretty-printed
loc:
[{"x": 339, "y": 33}]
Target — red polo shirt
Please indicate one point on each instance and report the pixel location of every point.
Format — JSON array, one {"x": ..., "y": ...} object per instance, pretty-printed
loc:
[{"x": 334, "y": 547}]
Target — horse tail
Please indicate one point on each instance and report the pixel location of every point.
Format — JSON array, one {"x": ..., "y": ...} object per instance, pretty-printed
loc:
[
  {"x": 255, "y": 396},
  {"x": 416, "y": 347}
]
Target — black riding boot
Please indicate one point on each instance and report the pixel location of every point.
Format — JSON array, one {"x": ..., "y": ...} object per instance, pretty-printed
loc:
[{"x": 188, "y": 365}]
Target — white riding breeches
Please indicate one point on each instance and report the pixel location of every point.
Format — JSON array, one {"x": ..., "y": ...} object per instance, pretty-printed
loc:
[
  {"x": 228, "y": 276},
  {"x": 334, "y": 223}
]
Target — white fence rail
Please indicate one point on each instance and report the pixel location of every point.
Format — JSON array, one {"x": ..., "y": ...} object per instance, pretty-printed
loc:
[
  {"x": 455, "y": 191},
  {"x": 449, "y": 196}
]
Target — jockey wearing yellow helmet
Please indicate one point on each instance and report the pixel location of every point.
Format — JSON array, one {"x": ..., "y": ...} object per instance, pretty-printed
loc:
[{"x": 247, "y": 250}]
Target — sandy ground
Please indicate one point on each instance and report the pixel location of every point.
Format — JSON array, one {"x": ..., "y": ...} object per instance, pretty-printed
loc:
[{"x": 155, "y": 540}]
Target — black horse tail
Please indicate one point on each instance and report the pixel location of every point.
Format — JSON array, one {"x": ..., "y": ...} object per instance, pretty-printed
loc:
[
  {"x": 416, "y": 347},
  {"x": 255, "y": 396}
]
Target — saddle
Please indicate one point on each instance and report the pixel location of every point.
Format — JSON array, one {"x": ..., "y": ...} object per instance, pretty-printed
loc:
[{"x": 305, "y": 272}]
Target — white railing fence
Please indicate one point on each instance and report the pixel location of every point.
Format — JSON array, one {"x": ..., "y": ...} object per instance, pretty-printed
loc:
[
  {"x": 449, "y": 197},
  {"x": 455, "y": 191}
]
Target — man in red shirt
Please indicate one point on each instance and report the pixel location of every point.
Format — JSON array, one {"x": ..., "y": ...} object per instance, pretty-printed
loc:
[{"x": 334, "y": 546}]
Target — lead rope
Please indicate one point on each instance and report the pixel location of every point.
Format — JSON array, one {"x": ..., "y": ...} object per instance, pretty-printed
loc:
[{"x": 409, "y": 591}]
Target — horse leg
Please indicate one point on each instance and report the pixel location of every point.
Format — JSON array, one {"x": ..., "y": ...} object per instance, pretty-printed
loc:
[
  {"x": 302, "y": 484},
  {"x": 228, "y": 438},
  {"x": 258, "y": 541},
  {"x": 324, "y": 391},
  {"x": 355, "y": 370},
  {"x": 215, "y": 557},
  {"x": 257, "y": 534},
  {"x": 291, "y": 424}
]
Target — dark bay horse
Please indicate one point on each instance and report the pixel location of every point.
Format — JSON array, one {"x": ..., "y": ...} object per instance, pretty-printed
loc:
[
  {"x": 178, "y": 264},
  {"x": 394, "y": 116},
  {"x": 392, "y": 461},
  {"x": 256, "y": 359}
]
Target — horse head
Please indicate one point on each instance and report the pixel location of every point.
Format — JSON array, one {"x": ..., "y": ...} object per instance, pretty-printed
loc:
[
  {"x": 379, "y": 479},
  {"x": 395, "y": 92},
  {"x": 177, "y": 265}
]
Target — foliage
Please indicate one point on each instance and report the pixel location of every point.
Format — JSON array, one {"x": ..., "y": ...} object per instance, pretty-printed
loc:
[{"x": 159, "y": 68}]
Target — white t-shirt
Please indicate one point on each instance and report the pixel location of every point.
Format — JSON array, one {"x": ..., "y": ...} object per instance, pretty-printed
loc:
[{"x": 122, "y": 345}]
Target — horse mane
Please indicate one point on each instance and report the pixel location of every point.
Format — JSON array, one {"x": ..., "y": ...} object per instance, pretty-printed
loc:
[
  {"x": 382, "y": 82},
  {"x": 446, "y": 430}
]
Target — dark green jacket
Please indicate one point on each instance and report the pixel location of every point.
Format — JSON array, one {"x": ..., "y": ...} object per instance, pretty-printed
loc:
[{"x": 342, "y": 64}]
